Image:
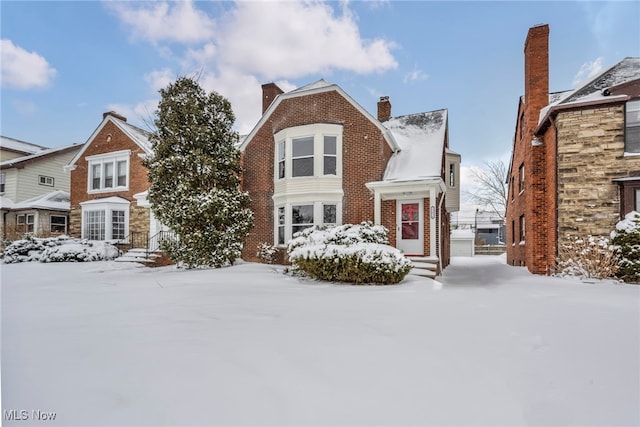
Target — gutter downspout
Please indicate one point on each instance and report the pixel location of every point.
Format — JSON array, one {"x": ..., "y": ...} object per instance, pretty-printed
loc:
[{"x": 440, "y": 230}]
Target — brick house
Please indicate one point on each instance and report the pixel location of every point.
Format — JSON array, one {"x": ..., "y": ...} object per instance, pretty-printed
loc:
[
  {"x": 109, "y": 184},
  {"x": 34, "y": 189},
  {"x": 575, "y": 164},
  {"x": 317, "y": 157}
]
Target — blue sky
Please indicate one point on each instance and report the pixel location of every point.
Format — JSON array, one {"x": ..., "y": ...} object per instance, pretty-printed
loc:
[{"x": 65, "y": 63}]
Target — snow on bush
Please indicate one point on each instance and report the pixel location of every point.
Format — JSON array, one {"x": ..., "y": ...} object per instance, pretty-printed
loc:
[
  {"x": 348, "y": 253},
  {"x": 626, "y": 238},
  {"x": 267, "y": 252},
  {"x": 587, "y": 258},
  {"x": 58, "y": 249}
]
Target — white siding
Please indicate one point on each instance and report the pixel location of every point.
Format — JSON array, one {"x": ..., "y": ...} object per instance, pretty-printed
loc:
[
  {"x": 11, "y": 184},
  {"x": 452, "y": 202},
  {"x": 26, "y": 184}
]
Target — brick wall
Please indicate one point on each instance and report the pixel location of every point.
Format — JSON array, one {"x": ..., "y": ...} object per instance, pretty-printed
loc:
[
  {"x": 109, "y": 139},
  {"x": 363, "y": 144}
]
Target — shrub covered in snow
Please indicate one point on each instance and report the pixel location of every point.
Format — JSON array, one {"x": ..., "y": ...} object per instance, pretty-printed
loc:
[
  {"x": 626, "y": 238},
  {"x": 267, "y": 252},
  {"x": 58, "y": 249},
  {"x": 587, "y": 257},
  {"x": 348, "y": 253}
]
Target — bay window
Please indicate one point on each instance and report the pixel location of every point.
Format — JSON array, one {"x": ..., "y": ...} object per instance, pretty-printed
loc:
[
  {"x": 109, "y": 172},
  {"x": 302, "y": 156},
  {"x": 105, "y": 219}
]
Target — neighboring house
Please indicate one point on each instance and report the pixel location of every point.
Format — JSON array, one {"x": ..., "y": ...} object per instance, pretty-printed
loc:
[
  {"x": 316, "y": 157},
  {"x": 109, "y": 184},
  {"x": 489, "y": 228},
  {"x": 575, "y": 165},
  {"x": 34, "y": 188}
]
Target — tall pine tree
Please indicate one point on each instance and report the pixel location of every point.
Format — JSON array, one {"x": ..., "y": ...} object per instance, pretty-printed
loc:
[{"x": 195, "y": 175}]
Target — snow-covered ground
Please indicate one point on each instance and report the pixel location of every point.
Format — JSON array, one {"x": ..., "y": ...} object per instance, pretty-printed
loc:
[{"x": 108, "y": 343}]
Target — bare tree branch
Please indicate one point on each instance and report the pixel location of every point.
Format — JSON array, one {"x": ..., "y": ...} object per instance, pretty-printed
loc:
[{"x": 491, "y": 188}]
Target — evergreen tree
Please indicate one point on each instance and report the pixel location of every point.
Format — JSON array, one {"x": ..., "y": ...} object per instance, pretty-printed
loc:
[
  {"x": 626, "y": 239},
  {"x": 195, "y": 175}
]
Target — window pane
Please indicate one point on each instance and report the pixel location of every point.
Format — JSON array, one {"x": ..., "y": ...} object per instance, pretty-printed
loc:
[
  {"x": 410, "y": 231},
  {"x": 122, "y": 173},
  {"x": 632, "y": 140},
  {"x": 302, "y": 214},
  {"x": 329, "y": 165},
  {"x": 637, "y": 201},
  {"x": 117, "y": 225},
  {"x": 330, "y": 145},
  {"x": 329, "y": 214},
  {"x": 633, "y": 113},
  {"x": 281, "y": 155},
  {"x": 280, "y": 216},
  {"x": 94, "y": 225},
  {"x": 58, "y": 224},
  {"x": 303, "y": 167},
  {"x": 108, "y": 175},
  {"x": 302, "y": 147},
  {"x": 281, "y": 150},
  {"x": 95, "y": 177}
]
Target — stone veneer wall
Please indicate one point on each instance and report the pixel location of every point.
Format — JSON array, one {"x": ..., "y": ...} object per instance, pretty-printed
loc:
[{"x": 590, "y": 156}]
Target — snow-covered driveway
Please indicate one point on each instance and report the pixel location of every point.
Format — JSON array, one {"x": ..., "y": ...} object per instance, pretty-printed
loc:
[{"x": 114, "y": 344}]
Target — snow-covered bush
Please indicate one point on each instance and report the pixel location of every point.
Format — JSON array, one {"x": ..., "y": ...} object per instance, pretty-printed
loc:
[
  {"x": 348, "y": 253},
  {"x": 587, "y": 258},
  {"x": 626, "y": 238},
  {"x": 267, "y": 252},
  {"x": 58, "y": 249}
]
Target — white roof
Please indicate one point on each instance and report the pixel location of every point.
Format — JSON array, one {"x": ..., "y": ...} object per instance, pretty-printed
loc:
[
  {"x": 22, "y": 146},
  {"x": 112, "y": 199},
  {"x": 6, "y": 203},
  {"x": 463, "y": 233},
  {"x": 56, "y": 201},
  {"x": 421, "y": 138}
]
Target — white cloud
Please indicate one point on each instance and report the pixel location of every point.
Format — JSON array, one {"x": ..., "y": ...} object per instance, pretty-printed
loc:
[
  {"x": 587, "y": 71},
  {"x": 22, "y": 69},
  {"x": 256, "y": 42},
  {"x": 415, "y": 75},
  {"x": 161, "y": 21}
]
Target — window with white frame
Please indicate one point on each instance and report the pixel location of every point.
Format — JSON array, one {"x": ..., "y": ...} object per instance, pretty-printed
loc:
[
  {"x": 58, "y": 224},
  {"x": 109, "y": 172},
  {"x": 632, "y": 127},
  {"x": 106, "y": 220},
  {"x": 294, "y": 217},
  {"x": 3, "y": 178},
  {"x": 308, "y": 151},
  {"x": 26, "y": 222},
  {"x": 46, "y": 180}
]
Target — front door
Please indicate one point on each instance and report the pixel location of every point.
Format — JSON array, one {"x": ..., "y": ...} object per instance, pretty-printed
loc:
[{"x": 410, "y": 236}]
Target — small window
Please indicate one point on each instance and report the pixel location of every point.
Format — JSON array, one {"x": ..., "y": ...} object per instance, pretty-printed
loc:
[
  {"x": 3, "y": 177},
  {"x": 522, "y": 177},
  {"x": 511, "y": 190},
  {"x": 302, "y": 156},
  {"x": 58, "y": 224},
  {"x": 637, "y": 200},
  {"x": 21, "y": 219},
  {"x": 281, "y": 225},
  {"x": 330, "y": 155},
  {"x": 632, "y": 127},
  {"x": 521, "y": 126},
  {"x": 30, "y": 223},
  {"x": 46, "y": 180},
  {"x": 452, "y": 175},
  {"x": 513, "y": 232},
  {"x": 329, "y": 216},
  {"x": 281, "y": 159},
  {"x": 522, "y": 228},
  {"x": 301, "y": 217},
  {"x": 95, "y": 177}
]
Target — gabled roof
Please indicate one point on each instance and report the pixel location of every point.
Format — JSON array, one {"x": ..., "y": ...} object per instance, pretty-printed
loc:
[
  {"x": 594, "y": 91},
  {"x": 55, "y": 201},
  {"x": 422, "y": 139},
  {"x": 319, "y": 86},
  {"x": 137, "y": 135},
  {"x": 18, "y": 146},
  {"x": 40, "y": 154}
]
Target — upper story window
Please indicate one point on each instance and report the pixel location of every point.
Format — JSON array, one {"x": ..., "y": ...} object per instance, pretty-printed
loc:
[
  {"x": 46, "y": 180},
  {"x": 109, "y": 172},
  {"x": 632, "y": 127},
  {"x": 521, "y": 171},
  {"x": 3, "y": 178},
  {"x": 452, "y": 175},
  {"x": 308, "y": 151}
]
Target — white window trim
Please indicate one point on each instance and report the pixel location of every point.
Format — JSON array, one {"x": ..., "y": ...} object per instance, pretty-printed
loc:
[
  {"x": 66, "y": 223},
  {"x": 318, "y": 131},
  {"x": 101, "y": 159},
  {"x": 43, "y": 180},
  {"x": 108, "y": 207},
  {"x": 318, "y": 216}
]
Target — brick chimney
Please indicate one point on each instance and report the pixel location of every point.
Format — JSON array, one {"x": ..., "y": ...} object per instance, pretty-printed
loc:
[
  {"x": 536, "y": 73},
  {"x": 384, "y": 109},
  {"x": 114, "y": 114},
  {"x": 269, "y": 93}
]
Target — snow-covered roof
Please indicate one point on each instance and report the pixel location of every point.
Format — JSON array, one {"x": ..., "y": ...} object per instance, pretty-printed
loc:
[
  {"x": 6, "y": 203},
  {"x": 421, "y": 138},
  {"x": 140, "y": 136},
  {"x": 322, "y": 83},
  {"x": 111, "y": 199},
  {"x": 20, "y": 146},
  {"x": 55, "y": 201},
  {"x": 43, "y": 153},
  {"x": 462, "y": 234}
]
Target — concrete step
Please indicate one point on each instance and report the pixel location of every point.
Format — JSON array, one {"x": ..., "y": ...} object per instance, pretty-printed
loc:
[{"x": 423, "y": 273}]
